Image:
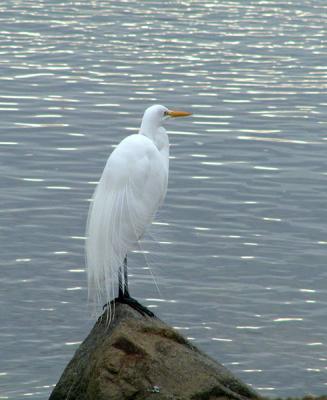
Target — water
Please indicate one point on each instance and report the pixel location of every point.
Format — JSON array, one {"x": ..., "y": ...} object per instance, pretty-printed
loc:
[{"x": 241, "y": 263}]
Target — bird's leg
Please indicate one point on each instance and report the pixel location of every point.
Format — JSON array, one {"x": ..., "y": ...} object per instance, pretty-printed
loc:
[
  {"x": 120, "y": 288},
  {"x": 126, "y": 291},
  {"x": 124, "y": 296},
  {"x": 120, "y": 284}
]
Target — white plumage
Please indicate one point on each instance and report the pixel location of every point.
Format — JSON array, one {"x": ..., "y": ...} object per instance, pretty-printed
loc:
[{"x": 132, "y": 187}]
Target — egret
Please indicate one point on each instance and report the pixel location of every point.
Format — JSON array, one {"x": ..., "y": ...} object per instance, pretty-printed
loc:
[{"x": 131, "y": 189}]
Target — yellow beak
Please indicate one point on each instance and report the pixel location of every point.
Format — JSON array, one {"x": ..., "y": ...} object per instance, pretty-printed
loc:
[{"x": 175, "y": 114}]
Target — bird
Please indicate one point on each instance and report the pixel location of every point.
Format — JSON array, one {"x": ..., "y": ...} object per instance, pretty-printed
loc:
[{"x": 132, "y": 187}]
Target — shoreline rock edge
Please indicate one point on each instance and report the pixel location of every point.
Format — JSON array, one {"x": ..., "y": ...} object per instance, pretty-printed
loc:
[{"x": 141, "y": 358}]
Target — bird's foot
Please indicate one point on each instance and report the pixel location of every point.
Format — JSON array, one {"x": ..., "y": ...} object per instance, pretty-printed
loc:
[{"x": 134, "y": 304}]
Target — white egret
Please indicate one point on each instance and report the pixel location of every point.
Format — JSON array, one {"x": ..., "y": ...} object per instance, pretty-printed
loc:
[{"x": 131, "y": 189}]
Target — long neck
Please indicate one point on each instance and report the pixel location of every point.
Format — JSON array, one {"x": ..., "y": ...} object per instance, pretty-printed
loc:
[
  {"x": 157, "y": 133},
  {"x": 150, "y": 126}
]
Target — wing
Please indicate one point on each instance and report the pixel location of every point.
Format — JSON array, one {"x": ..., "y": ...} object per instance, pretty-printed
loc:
[
  {"x": 131, "y": 188},
  {"x": 137, "y": 174}
]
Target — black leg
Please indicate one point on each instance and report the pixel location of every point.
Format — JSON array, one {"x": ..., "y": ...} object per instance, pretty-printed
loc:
[
  {"x": 120, "y": 288},
  {"x": 120, "y": 284},
  {"x": 126, "y": 291},
  {"x": 124, "y": 296}
]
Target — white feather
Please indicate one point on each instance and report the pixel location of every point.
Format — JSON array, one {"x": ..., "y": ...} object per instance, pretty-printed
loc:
[{"x": 132, "y": 186}]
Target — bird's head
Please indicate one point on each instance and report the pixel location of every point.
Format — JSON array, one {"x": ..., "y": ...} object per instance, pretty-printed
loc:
[{"x": 155, "y": 115}]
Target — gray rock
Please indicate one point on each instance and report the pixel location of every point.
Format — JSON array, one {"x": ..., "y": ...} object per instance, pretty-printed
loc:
[{"x": 141, "y": 358}]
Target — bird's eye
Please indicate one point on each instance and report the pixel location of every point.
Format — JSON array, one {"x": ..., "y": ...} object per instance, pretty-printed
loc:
[{"x": 166, "y": 113}]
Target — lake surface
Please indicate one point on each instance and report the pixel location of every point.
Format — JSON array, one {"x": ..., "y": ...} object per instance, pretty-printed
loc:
[{"x": 238, "y": 249}]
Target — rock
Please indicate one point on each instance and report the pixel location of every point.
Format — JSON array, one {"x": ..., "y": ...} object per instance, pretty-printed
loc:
[{"x": 141, "y": 358}]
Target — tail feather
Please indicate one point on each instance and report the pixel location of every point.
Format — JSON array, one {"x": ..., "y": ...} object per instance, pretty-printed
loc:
[{"x": 106, "y": 245}]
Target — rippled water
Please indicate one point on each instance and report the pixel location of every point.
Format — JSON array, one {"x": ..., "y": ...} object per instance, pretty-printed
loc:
[{"x": 240, "y": 262}]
